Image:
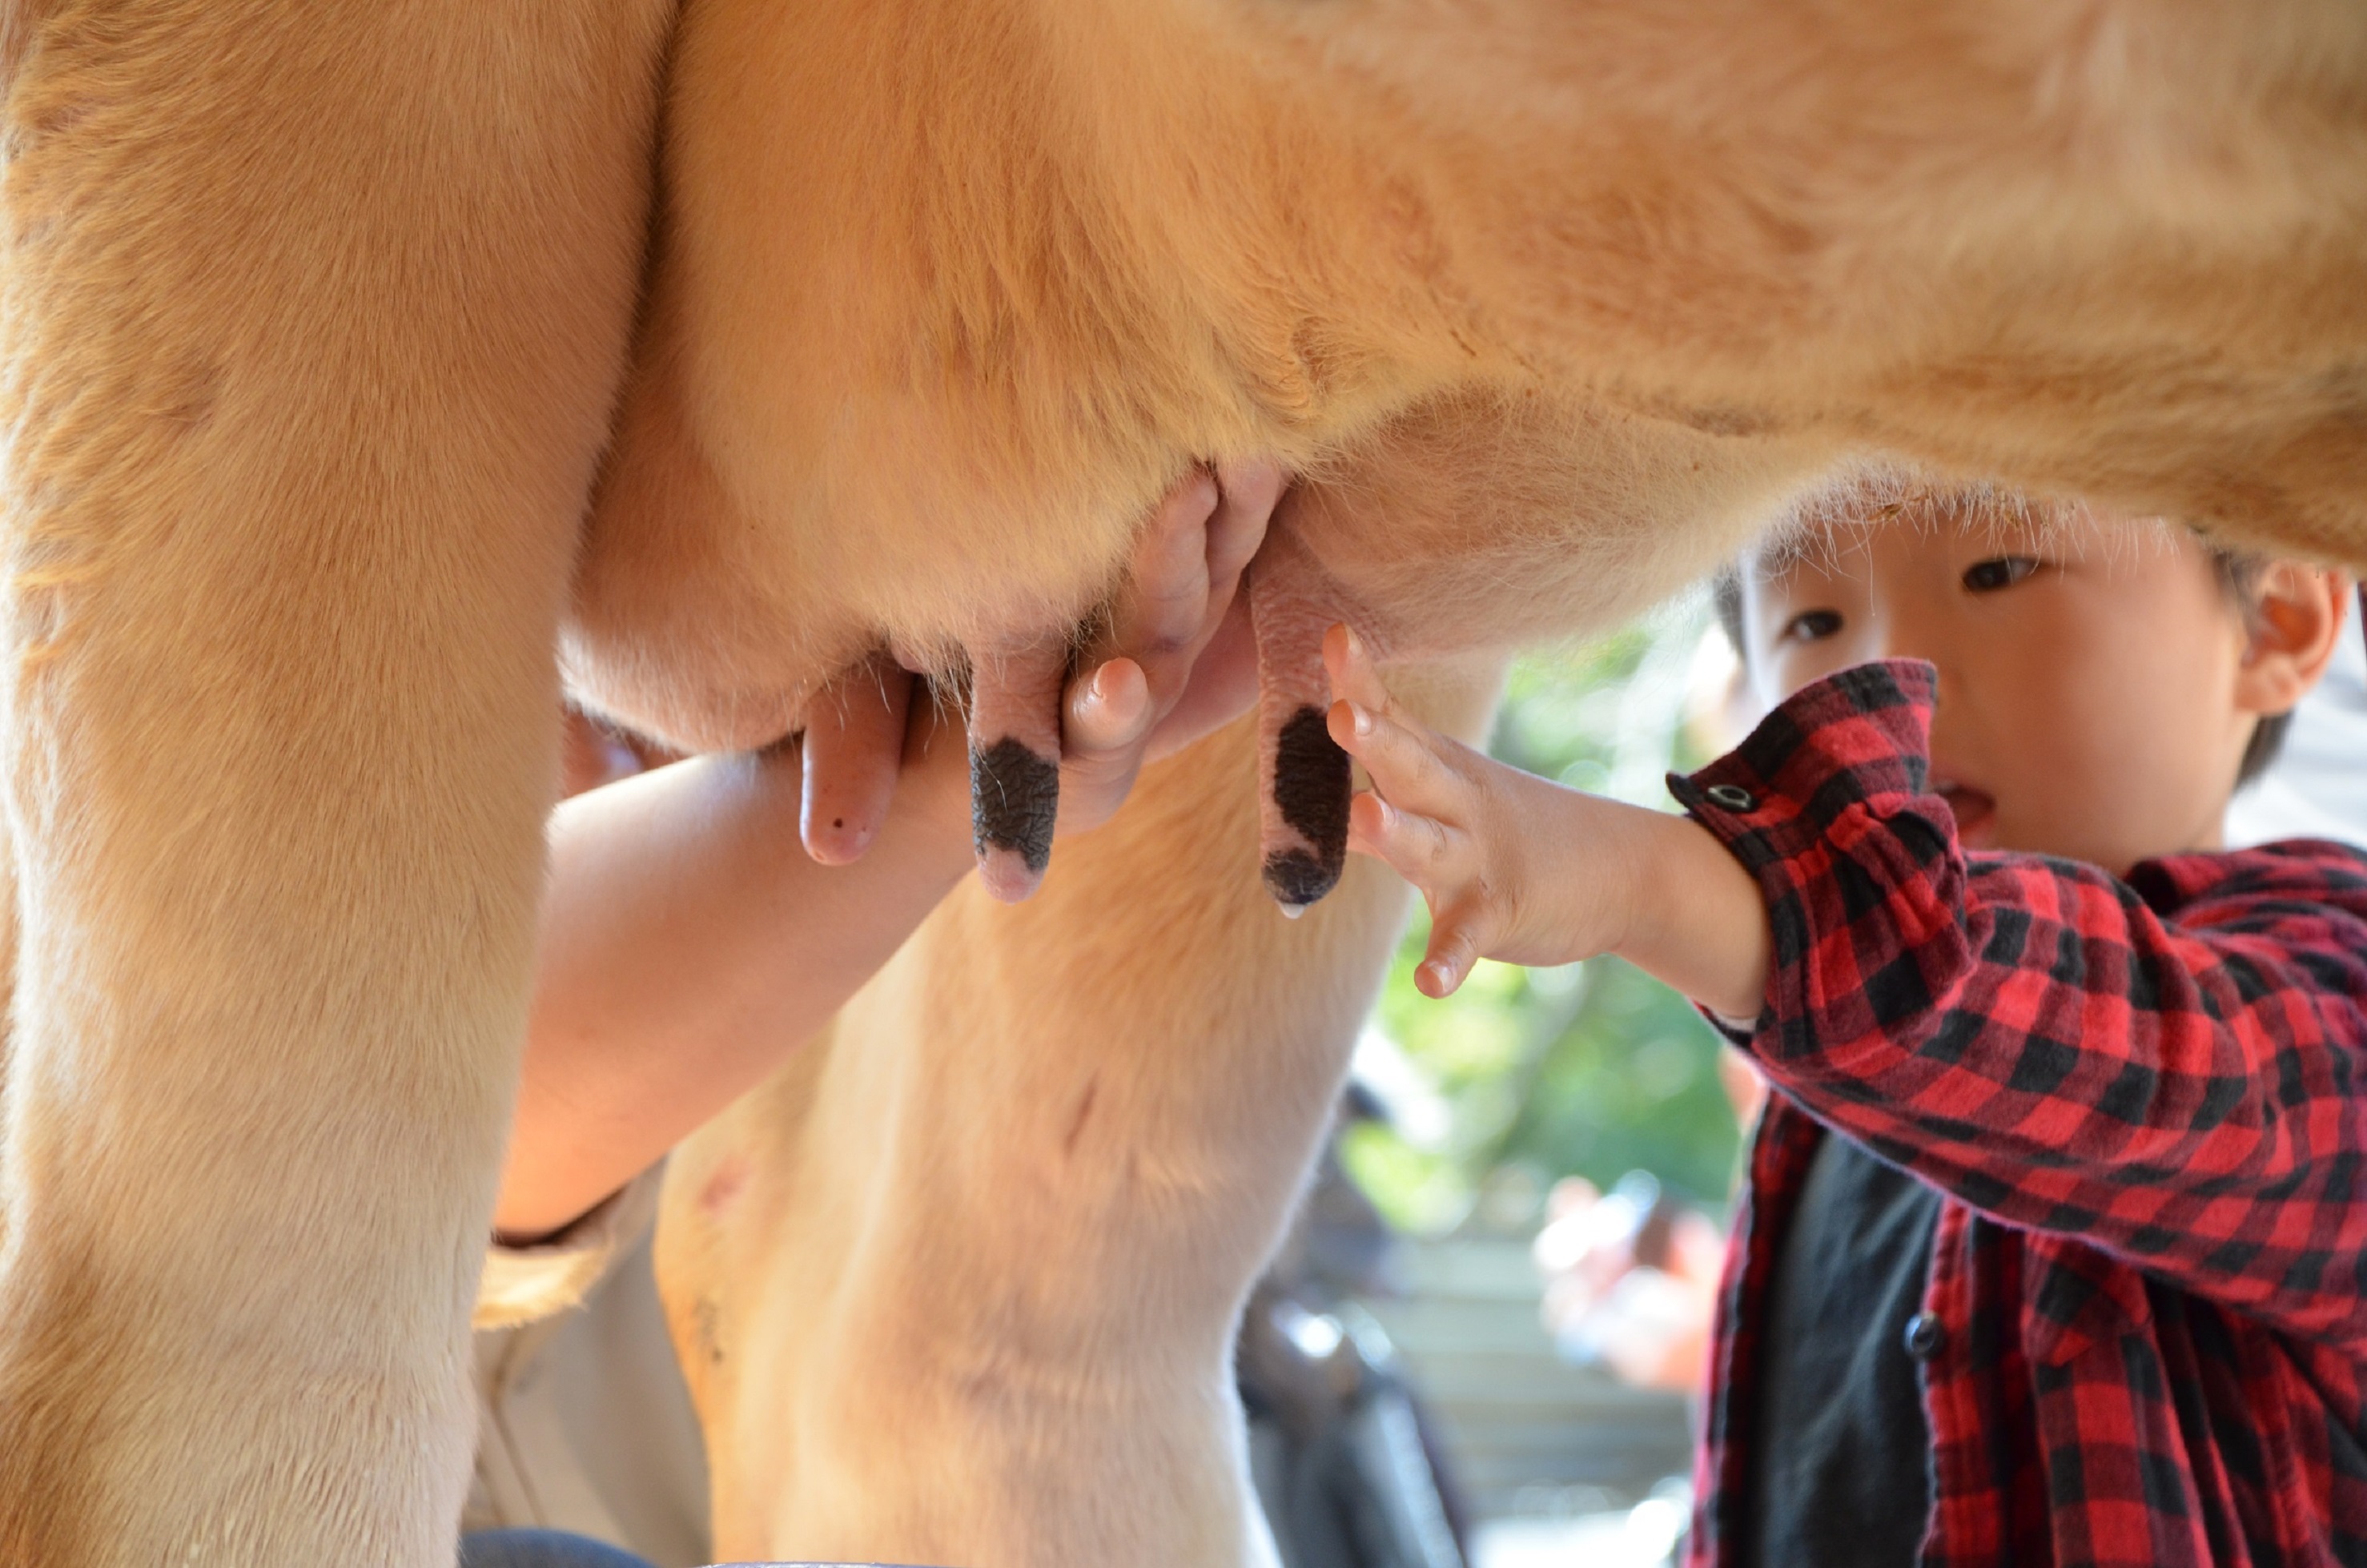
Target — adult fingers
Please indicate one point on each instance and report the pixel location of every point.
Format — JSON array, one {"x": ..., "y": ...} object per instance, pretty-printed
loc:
[
  {"x": 1185, "y": 580},
  {"x": 1223, "y": 686},
  {"x": 1162, "y": 612},
  {"x": 1105, "y": 730},
  {"x": 854, "y": 746},
  {"x": 1248, "y": 493}
]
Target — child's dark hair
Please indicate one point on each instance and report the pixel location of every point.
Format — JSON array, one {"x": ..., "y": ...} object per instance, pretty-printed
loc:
[{"x": 2239, "y": 572}]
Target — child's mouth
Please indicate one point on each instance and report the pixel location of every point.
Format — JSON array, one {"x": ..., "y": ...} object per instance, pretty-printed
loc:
[{"x": 1975, "y": 813}]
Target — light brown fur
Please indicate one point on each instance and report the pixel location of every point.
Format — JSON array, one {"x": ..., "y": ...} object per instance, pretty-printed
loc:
[
  {"x": 305, "y": 365},
  {"x": 908, "y": 380},
  {"x": 969, "y": 1294},
  {"x": 917, "y": 1333},
  {"x": 310, "y": 323}
]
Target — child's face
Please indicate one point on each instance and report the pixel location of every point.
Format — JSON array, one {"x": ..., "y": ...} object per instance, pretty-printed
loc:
[{"x": 2090, "y": 671}]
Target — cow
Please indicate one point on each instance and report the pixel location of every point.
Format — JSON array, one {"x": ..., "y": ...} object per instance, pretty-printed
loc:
[{"x": 365, "y": 366}]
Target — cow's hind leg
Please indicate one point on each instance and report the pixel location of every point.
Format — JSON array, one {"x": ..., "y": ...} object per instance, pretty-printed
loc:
[
  {"x": 963, "y": 1290},
  {"x": 312, "y": 318}
]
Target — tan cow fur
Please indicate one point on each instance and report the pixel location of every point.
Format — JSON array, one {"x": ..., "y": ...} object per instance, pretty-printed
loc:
[
  {"x": 1006, "y": 266},
  {"x": 1555, "y": 302},
  {"x": 310, "y": 323},
  {"x": 960, "y": 1286}
]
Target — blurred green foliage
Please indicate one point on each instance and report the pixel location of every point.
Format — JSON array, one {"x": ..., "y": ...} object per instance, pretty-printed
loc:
[{"x": 1593, "y": 1069}]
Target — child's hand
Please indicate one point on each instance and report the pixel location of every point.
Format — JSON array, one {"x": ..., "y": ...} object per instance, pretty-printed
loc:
[
  {"x": 1517, "y": 867},
  {"x": 1511, "y": 865}
]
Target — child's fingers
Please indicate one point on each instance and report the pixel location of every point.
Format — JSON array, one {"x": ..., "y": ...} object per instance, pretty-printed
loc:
[
  {"x": 1455, "y": 947},
  {"x": 1409, "y": 763},
  {"x": 1420, "y": 850},
  {"x": 1350, "y": 664},
  {"x": 1403, "y": 760}
]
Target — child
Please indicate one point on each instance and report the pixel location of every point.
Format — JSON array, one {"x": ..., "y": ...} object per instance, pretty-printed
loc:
[{"x": 2053, "y": 1249}]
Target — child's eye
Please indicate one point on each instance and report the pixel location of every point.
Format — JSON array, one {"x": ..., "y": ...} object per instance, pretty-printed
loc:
[
  {"x": 1997, "y": 572},
  {"x": 1812, "y": 625}
]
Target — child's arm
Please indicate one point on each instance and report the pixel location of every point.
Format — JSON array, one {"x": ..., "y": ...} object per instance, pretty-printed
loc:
[
  {"x": 2026, "y": 1033},
  {"x": 2023, "y": 1032},
  {"x": 1517, "y": 867},
  {"x": 689, "y": 942},
  {"x": 2034, "y": 1037}
]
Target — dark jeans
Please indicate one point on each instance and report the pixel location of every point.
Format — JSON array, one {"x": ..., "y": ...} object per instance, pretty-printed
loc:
[{"x": 540, "y": 1549}]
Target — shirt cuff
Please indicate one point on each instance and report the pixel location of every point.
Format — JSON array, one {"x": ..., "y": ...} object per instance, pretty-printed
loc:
[
  {"x": 521, "y": 1284},
  {"x": 1856, "y": 735},
  {"x": 1855, "y": 740}
]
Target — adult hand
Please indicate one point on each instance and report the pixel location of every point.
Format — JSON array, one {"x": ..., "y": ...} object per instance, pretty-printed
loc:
[{"x": 1177, "y": 659}]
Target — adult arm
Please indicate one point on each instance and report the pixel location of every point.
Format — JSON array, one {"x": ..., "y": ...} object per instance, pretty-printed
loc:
[{"x": 690, "y": 942}]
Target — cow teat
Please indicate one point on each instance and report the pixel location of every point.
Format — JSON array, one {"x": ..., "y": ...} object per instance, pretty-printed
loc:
[
  {"x": 1014, "y": 763},
  {"x": 1305, "y": 783}
]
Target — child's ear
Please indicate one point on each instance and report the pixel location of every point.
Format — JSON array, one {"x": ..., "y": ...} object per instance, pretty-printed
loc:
[{"x": 2298, "y": 614}]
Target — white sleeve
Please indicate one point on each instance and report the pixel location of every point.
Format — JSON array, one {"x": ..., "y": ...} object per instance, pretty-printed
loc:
[{"x": 523, "y": 1283}]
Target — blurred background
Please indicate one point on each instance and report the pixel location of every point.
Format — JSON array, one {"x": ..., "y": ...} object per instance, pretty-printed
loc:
[{"x": 1517, "y": 1232}]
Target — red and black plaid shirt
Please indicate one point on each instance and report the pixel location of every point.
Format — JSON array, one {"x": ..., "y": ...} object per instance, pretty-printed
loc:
[{"x": 2145, "y": 1104}]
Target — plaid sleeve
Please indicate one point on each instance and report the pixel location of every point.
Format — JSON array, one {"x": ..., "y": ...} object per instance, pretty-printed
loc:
[{"x": 2029, "y": 1035}]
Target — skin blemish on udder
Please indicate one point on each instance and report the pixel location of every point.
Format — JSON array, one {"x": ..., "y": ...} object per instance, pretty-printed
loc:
[
  {"x": 706, "y": 1327},
  {"x": 1014, "y": 802},
  {"x": 1084, "y": 1113},
  {"x": 722, "y": 1187},
  {"x": 1311, "y": 787}
]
